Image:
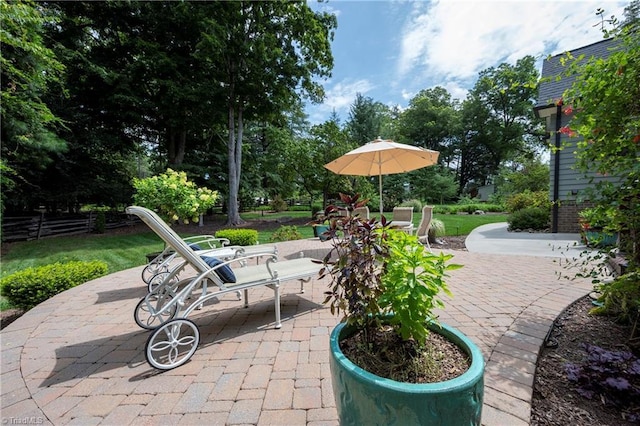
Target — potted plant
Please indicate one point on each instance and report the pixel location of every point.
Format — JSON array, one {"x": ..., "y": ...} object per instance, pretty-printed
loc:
[
  {"x": 388, "y": 350},
  {"x": 320, "y": 227},
  {"x": 594, "y": 226}
]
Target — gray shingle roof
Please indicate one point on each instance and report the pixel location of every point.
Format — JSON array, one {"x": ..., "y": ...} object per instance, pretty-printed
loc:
[{"x": 550, "y": 91}]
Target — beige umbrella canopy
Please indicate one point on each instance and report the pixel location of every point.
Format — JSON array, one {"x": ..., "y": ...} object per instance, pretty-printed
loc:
[{"x": 382, "y": 157}]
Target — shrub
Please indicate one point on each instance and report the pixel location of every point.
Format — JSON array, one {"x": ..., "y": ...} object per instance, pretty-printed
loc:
[
  {"x": 529, "y": 218},
  {"x": 469, "y": 208},
  {"x": 465, "y": 199},
  {"x": 612, "y": 377},
  {"x": 621, "y": 297},
  {"x": 101, "y": 222},
  {"x": 443, "y": 210},
  {"x": 299, "y": 208},
  {"x": 493, "y": 207},
  {"x": 173, "y": 197},
  {"x": 286, "y": 233},
  {"x": 528, "y": 199},
  {"x": 239, "y": 237},
  {"x": 29, "y": 287},
  {"x": 416, "y": 204},
  {"x": 436, "y": 229},
  {"x": 278, "y": 204}
]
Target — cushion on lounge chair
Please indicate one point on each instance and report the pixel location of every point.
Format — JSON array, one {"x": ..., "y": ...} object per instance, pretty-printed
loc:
[
  {"x": 224, "y": 272},
  {"x": 195, "y": 247}
]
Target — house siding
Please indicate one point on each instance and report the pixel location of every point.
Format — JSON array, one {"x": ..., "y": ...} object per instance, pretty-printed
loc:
[
  {"x": 571, "y": 183},
  {"x": 551, "y": 89}
]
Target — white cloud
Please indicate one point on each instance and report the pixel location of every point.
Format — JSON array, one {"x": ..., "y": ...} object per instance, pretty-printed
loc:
[
  {"x": 445, "y": 43},
  {"x": 456, "y": 90},
  {"x": 343, "y": 93},
  {"x": 339, "y": 97},
  {"x": 454, "y": 40},
  {"x": 407, "y": 95}
]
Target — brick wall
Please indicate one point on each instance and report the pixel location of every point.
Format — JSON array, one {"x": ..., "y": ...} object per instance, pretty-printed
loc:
[{"x": 568, "y": 216}]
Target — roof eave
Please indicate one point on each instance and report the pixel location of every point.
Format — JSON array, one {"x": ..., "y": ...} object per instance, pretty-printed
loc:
[{"x": 544, "y": 111}]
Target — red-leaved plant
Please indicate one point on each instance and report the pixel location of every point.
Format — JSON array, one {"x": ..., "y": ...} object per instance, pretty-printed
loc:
[{"x": 380, "y": 274}]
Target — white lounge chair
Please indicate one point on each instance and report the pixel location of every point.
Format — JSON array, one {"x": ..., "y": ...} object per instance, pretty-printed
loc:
[
  {"x": 160, "y": 268},
  {"x": 403, "y": 219},
  {"x": 161, "y": 263},
  {"x": 165, "y": 310},
  {"x": 363, "y": 212},
  {"x": 425, "y": 224}
]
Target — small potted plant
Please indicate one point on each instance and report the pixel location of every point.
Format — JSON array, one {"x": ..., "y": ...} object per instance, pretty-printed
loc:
[
  {"x": 594, "y": 226},
  {"x": 388, "y": 352},
  {"x": 320, "y": 226}
]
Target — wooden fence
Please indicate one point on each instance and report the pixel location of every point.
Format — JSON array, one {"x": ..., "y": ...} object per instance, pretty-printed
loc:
[{"x": 36, "y": 227}]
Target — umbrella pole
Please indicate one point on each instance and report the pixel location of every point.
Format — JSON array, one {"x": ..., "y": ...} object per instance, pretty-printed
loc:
[{"x": 380, "y": 183}]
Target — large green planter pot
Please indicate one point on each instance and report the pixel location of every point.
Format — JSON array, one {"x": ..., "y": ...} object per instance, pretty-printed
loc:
[
  {"x": 363, "y": 398},
  {"x": 598, "y": 239},
  {"x": 318, "y": 230}
]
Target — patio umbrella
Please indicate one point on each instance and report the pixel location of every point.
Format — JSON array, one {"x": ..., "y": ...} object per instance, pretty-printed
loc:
[{"x": 382, "y": 157}]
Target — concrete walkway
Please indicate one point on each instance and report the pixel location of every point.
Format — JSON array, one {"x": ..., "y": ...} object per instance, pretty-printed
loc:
[
  {"x": 79, "y": 357},
  {"x": 494, "y": 238}
]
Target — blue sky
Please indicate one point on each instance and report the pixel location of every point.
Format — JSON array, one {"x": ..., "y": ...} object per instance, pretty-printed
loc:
[{"x": 389, "y": 50}]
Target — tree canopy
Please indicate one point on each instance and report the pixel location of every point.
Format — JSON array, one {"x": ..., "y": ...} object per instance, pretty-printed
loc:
[
  {"x": 29, "y": 127},
  {"x": 98, "y": 93}
]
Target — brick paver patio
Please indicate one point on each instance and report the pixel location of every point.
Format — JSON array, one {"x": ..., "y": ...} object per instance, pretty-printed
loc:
[{"x": 79, "y": 357}]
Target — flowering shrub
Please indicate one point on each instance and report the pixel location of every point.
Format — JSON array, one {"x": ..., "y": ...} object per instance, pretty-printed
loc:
[
  {"x": 173, "y": 197},
  {"x": 604, "y": 98}
]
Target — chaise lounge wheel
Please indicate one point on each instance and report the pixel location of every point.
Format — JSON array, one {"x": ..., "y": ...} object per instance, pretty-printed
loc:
[
  {"x": 151, "y": 270},
  {"x": 172, "y": 344},
  {"x": 159, "y": 278},
  {"x": 146, "y": 312}
]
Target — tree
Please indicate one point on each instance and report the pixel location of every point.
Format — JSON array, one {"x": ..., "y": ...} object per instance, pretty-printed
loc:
[
  {"x": 475, "y": 149},
  {"x": 261, "y": 53},
  {"x": 498, "y": 120},
  {"x": 431, "y": 121},
  {"x": 606, "y": 100},
  {"x": 101, "y": 102},
  {"x": 29, "y": 127},
  {"x": 435, "y": 184},
  {"x": 179, "y": 95},
  {"x": 326, "y": 142},
  {"x": 525, "y": 174},
  {"x": 365, "y": 120}
]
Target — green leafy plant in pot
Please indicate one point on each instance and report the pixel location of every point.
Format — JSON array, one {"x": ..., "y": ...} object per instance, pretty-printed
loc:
[{"x": 387, "y": 352}]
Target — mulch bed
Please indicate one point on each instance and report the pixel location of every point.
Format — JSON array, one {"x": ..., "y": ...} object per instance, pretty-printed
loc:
[{"x": 556, "y": 401}]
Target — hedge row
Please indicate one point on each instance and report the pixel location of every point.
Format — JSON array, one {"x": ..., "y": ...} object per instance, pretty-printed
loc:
[
  {"x": 29, "y": 287},
  {"x": 239, "y": 237}
]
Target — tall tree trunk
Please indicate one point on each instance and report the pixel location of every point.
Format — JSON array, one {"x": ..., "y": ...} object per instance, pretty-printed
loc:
[
  {"x": 234, "y": 150},
  {"x": 180, "y": 148},
  {"x": 176, "y": 146}
]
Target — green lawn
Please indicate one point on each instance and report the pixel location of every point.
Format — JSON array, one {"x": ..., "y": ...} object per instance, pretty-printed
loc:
[
  {"x": 463, "y": 224},
  {"x": 126, "y": 251},
  {"x": 129, "y": 250},
  {"x": 118, "y": 251}
]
